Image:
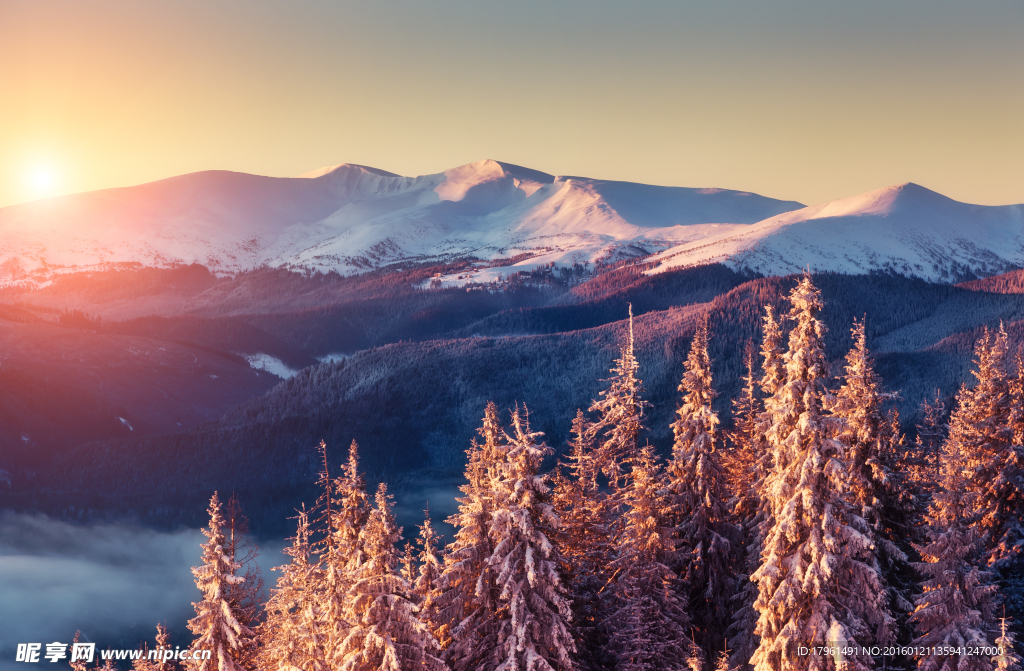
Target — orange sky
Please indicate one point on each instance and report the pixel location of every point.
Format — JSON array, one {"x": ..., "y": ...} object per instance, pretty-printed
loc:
[{"x": 799, "y": 99}]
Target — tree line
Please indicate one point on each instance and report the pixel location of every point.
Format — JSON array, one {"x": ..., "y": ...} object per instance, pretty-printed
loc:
[{"x": 812, "y": 535}]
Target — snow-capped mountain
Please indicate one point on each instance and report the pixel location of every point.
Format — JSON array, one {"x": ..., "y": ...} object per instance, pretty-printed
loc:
[
  {"x": 907, "y": 229},
  {"x": 352, "y": 218}
]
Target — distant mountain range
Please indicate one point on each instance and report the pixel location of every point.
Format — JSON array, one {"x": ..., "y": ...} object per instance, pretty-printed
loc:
[
  {"x": 352, "y": 219},
  {"x": 905, "y": 229}
]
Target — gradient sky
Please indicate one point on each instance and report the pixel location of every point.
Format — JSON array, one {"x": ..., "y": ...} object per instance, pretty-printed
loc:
[{"x": 802, "y": 99}]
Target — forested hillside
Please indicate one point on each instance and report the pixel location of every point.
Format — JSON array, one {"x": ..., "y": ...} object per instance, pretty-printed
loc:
[{"x": 414, "y": 404}]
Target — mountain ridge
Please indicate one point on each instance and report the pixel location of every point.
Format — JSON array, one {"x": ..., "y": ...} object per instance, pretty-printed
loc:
[
  {"x": 350, "y": 218},
  {"x": 503, "y": 218},
  {"x": 906, "y": 228}
]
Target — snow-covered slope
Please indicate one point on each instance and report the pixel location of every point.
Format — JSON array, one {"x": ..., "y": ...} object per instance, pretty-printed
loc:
[
  {"x": 351, "y": 218},
  {"x": 907, "y": 228}
]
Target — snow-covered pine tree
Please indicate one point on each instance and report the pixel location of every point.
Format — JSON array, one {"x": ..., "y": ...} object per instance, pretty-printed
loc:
[
  {"x": 695, "y": 506},
  {"x": 409, "y": 569},
  {"x": 957, "y": 607},
  {"x": 744, "y": 623},
  {"x": 772, "y": 352},
  {"x": 979, "y": 430},
  {"x": 583, "y": 540},
  {"x": 289, "y": 635},
  {"x": 386, "y": 633},
  {"x": 163, "y": 642},
  {"x": 742, "y": 461},
  {"x": 468, "y": 599},
  {"x": 427, "y": 582},
  {"x": 1015, "y": 388},
  {"x": 648, "y": 624},
  {"x": 1007, "y": 557},
  {"x": 819, "y": 582},
  {"x": 351, "y": 511},
  {"x": 325, "y": 629},
  {"x": 931, "y": 433},
  {"x": 533, "y": 613},
  {"x": 878, "y": 486},
  {"x": 216, "y": 624},
  {"x": 345, "y": 554},
  {"x": 246, "y": 598},
  {"x": 144, "y": 663},
  {"x": 78, "y": 664},
  {"x": 722, "y": 662},
  {"x": 1007, "y": 659},
  {"x": 620, "y": 415},
  {"x": 859, "y": 402},
  {"x": 696, "y": 658},
  {"x": 982, "y": 432}
]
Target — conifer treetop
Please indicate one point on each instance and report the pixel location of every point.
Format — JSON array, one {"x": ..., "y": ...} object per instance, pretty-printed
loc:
[
  {"x": 774, "y": 372},
  {"x": 216, "y": 623},
  {"x": 533, "y": 612},
  {"x": 387, "y": 633},
  {"x": 620, "y": 411}
]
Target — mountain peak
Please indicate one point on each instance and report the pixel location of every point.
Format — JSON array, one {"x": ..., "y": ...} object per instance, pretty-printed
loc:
[
  {"x": 345, "y": 167},
  {"x": 880, "y": 202}
]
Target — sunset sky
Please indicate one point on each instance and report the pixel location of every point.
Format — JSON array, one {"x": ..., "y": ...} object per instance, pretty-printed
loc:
[{"x": 797, "y": 99}]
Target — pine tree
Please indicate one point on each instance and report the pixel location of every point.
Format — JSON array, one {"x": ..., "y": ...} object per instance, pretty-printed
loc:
[
  {"x": 723, "y": 663},
  {"x": 351, "y": 511},
  {"x": 409, "y": 567},
  {"x": 957, "y": 607},
  {"x": 1006, "y": 497},
  {"x": 468, "y": 599},
  {"x": 216, "y": 622},
  {"x": 620, "y": 414},
  {"x": 761, "y": 461},
  {"x": 386, "y": 632},
  {"x": 1015, "y": 388},
  {"x": 880, "y": 492},
  {"x": 819, "y": 582},
  {"x": 694, "y": 500},
  {"x": 344, "y": 508},
  {"x": 533, "y": 615},
  {"x": 930, "y": 436},
  {"x": 1007, "y": 660},
  {"x": 859, "y": 403},
  {"x": 743, "y": 461},
  {"x": 289, "y": 635},
  {"x": 696, "y": 658},
  {"x": 77, "y": 664},
  {"x": 981, "y": 431},
  {"x": 245, "y": 597},
  {"x": 163, "y": 642},
  {"x": 583, "y": 538},
  {"x": 426, "y": 587},
  {"x": 772, "y": 353},
  {"x": 647, "y": 628},
  {"x": 144, "y": 663},
  {"x": 324, "y": 583}
]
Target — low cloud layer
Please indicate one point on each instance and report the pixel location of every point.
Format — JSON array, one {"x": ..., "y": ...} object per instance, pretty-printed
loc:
[{"x": 113, "y": 582}]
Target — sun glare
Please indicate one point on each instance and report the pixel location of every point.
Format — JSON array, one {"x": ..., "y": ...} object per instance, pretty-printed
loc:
[{"x": 41, "y": 181}]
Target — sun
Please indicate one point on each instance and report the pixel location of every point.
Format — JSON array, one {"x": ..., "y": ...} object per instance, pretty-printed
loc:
[{"x": 41, "y": 180}]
